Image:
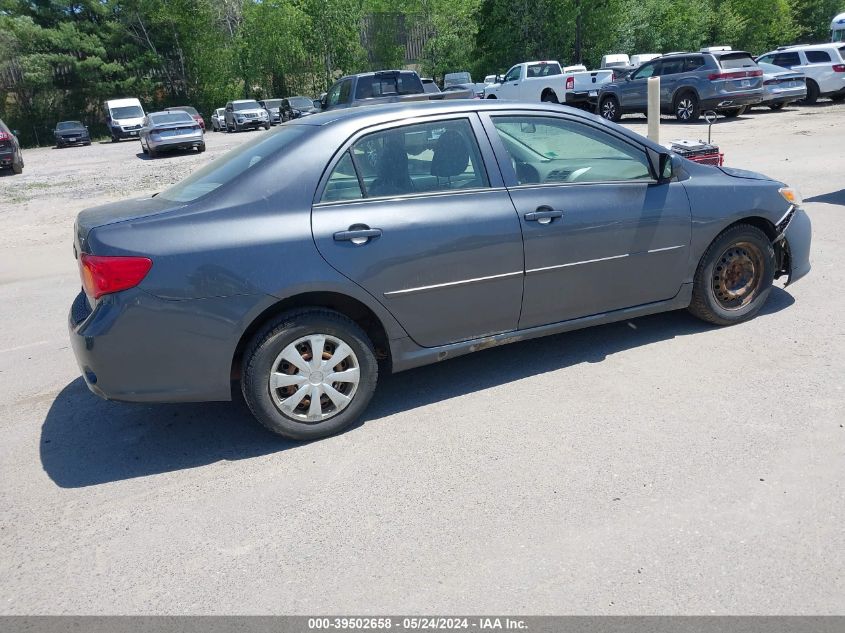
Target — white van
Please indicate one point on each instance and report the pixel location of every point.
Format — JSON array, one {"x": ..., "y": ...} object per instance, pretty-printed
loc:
[
  {"x": 837, "y": 28},
  {"x": 615, "y": 61},
  {"x": 641, "y": 58},
  {"x": 124, "y": 118}
]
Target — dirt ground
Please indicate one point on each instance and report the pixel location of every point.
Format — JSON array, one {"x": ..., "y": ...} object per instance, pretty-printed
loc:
[{"x": 655, "y": 466}]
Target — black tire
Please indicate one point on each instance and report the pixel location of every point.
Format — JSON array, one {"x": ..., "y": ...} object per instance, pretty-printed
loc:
[
  {"x": 609, "y": 109},
  {"x": 491, "y": 97},
  {"x": 812, "y": 93},
  {"x": 266, "y": 126},
  {"x": 268, "y": 344},
  {"x": 144, "y": 148},
  {"x": 727, "y": 261},
  {"x": 17, "y": 167},
  {"x": 201, "y": 148},
  {"x": 87, "y": 143},
  {"x": 549, "y": 96},
  {"x": 151, "y": 152},
  {"x": 777, "y": 106},
  {"x": 686, "y": 107}
]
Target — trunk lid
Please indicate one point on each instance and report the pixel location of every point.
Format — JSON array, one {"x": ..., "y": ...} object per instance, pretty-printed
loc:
[{"x": 114, "y": 212}]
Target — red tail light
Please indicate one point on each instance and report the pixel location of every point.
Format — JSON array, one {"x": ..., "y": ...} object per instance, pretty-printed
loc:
[
  {"x": 570, "y": 83},
  {"x": 4, "y": 136},
  {"x": 104, "y": 275},
  {"x": 736, "y": 74},
  {"x": 839, "y": 68}
]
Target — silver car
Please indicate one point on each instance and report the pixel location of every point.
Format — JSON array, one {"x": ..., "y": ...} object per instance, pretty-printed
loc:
[
  {"x": 177, "y": 130},
  {"x": 218, "y": 120},
  {"x": 781, "y": 86},
  {"x": 245, "y": 114}
]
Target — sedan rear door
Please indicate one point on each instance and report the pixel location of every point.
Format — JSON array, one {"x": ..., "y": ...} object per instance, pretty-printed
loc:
[{"x": 417, "y": 214}]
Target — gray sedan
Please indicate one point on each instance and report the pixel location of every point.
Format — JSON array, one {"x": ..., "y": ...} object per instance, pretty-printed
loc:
[
  {"x": 782, "y": 86},
  {"x": 301, "y": 266},
  {"x": 175, "y": 130}
]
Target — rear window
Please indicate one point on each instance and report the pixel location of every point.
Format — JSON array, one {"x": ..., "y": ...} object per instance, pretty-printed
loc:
[
  {"x": 817, "y": 57},
  {"x": 176, "y": 116},
  {"x": 543, "y": 70},
  {"x": 737, "y": 60},
  {"x": 391, "y": 84},
  {"x": 234, "y": 164},
  {"x": 190, "y": 110}
]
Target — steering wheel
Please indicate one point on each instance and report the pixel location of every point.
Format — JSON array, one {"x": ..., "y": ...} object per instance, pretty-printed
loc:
[{"x": 577, "y": 173}]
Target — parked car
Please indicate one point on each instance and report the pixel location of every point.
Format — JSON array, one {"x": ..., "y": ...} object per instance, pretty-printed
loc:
[
  {"x": 547, "y": 81},
  {"x": 218, "y": 120},
  {"x": 823, "y": 65},
  {"x": 124, "y": 118},
  {"x": 453, "y": 79},
  {"x": 296, "y": 107},
  {"x": 71, "y": 133},
  {"x": 469, "y": 91},
  {"x": 429, "y": 85},
  {"x": 384, "y": 86},
  {"x": 11, "y": 156},
  {"x": 615, "y": 61},
  {"x": 272, "y": 108},
  {"x": 170, "y": 130},
  {"x": 837, "y": 28},
  {"x": 490, "y": 79},
  {"x": 407, "y": 235},
  {"x": 245, "y": 114},
  {"x": 781, "y": 86},
  {"x": 196, "y": 116},
  {"x": 690, "y": 83}
]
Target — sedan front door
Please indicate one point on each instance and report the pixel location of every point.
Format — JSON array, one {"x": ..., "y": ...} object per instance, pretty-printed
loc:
[
  {"x": 410, "y": 213},
  {"x": 600, "y": 232}
]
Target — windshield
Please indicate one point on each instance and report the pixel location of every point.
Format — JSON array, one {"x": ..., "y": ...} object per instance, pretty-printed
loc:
[
  {"x": 301, "y": 103},
  {"x": 246, "y": 105},
  {"x": 69, "y": 125},
  {"x": 127, "y": 112},
  {"x": 165, "y": 118},
  {"x": 231, "y": 166},
  {"x": 384, "y": 84},
  {"x": 272, "y": 103}
]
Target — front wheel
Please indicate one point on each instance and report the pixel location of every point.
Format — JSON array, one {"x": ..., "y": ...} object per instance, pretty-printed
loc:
[
  {"x": 266, "y": 126},
  {"x": 610, "y": 110},
  {"x": 734, "y": 276},
  {"x": 309, "y": 374},
  {"x": 777, "y": 106}
]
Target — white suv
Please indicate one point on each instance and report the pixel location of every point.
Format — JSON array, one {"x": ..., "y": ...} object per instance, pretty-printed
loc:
[{"x": 822, "y": 64}]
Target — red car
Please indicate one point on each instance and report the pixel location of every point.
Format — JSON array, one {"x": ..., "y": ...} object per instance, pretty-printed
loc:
[{"x": 190, "y": 110}]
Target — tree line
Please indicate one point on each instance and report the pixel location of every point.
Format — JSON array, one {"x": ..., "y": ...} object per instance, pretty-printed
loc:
[{"x": 60, "y": 59}]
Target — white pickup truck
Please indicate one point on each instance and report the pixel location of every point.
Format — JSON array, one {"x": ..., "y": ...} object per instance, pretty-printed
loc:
[{"x": 548, "y": 81}]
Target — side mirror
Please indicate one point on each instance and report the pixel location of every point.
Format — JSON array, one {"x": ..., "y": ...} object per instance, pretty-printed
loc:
[
  {"x": 296, "y": 113},
  {"x": 661, "y": 165},
  {"x": 15, "y": 133},
  {"x": 324, "y": 102}
]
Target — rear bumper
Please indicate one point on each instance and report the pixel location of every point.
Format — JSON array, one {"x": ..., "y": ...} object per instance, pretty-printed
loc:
[
  {"x": 117, "y": 132},
  {"x": 138, "y": 348},
  {"x": 786, "y": 95},
  {"x": 187, "y": 142},
  {"x": 6, "y": 158},
  {"x": 583, "y": 97},
  {"x": 798, "y": 235},
  {"x": 729, "y": 101}
]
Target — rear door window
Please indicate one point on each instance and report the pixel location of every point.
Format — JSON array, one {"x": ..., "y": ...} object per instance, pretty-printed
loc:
[
  {"x": 693, "y": 62},
  {"x": 672, "y": 66},
  {"x": 817, "y": 57},
  {"x": 733, "y": 61},
  {"x": 787, "y": 60}
]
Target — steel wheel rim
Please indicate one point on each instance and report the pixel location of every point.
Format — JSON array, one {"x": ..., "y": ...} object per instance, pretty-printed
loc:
[
  {"x": 312, "y": 388},
  {"x": 685, "y": 108},
  {"x": 609, "y": 109},
  {"x": 738, "y": 275}
]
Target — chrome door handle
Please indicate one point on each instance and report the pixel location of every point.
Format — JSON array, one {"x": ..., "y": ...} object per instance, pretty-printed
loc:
[
  {"x": 357, "y": 235},
  {"x": 543, "y": 215}
]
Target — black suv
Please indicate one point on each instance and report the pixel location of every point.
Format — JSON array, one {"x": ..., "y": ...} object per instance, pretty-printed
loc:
[
  {"x": 690, "y": 83},
  {"x": 10, "y": 150}
]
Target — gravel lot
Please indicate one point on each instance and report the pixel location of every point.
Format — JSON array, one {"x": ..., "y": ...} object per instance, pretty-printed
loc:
[{"x": 655, "y": 466}]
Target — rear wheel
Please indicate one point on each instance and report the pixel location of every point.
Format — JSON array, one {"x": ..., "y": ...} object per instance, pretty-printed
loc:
[
  {"x": 777, "y": 106},
  {"x": 549, "y": 96},
  {"x": 687, "y": 107},
  {"x": 152, "y": 152},
  {"x": 734, "y": 277},
  {"x": 609, "y": 109},
  {"x": 812, "y": 93},
  {"x": 309, "y": 374},
  {"x": 17, "y": 167},
  {"x": 266, "y": 126},
  {"x": 201, "y": 148}
]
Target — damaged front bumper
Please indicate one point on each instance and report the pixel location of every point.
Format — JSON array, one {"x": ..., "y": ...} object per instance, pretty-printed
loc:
[{"x": 792, "y": 245}]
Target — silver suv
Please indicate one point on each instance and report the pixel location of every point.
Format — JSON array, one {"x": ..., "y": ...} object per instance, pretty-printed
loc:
[
  {"x": 690, "y": 83},
  {"x": 245, "y": 114}
]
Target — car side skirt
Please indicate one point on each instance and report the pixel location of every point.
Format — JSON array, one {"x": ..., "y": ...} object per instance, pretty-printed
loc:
[{"x": 407, "y": 355}]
